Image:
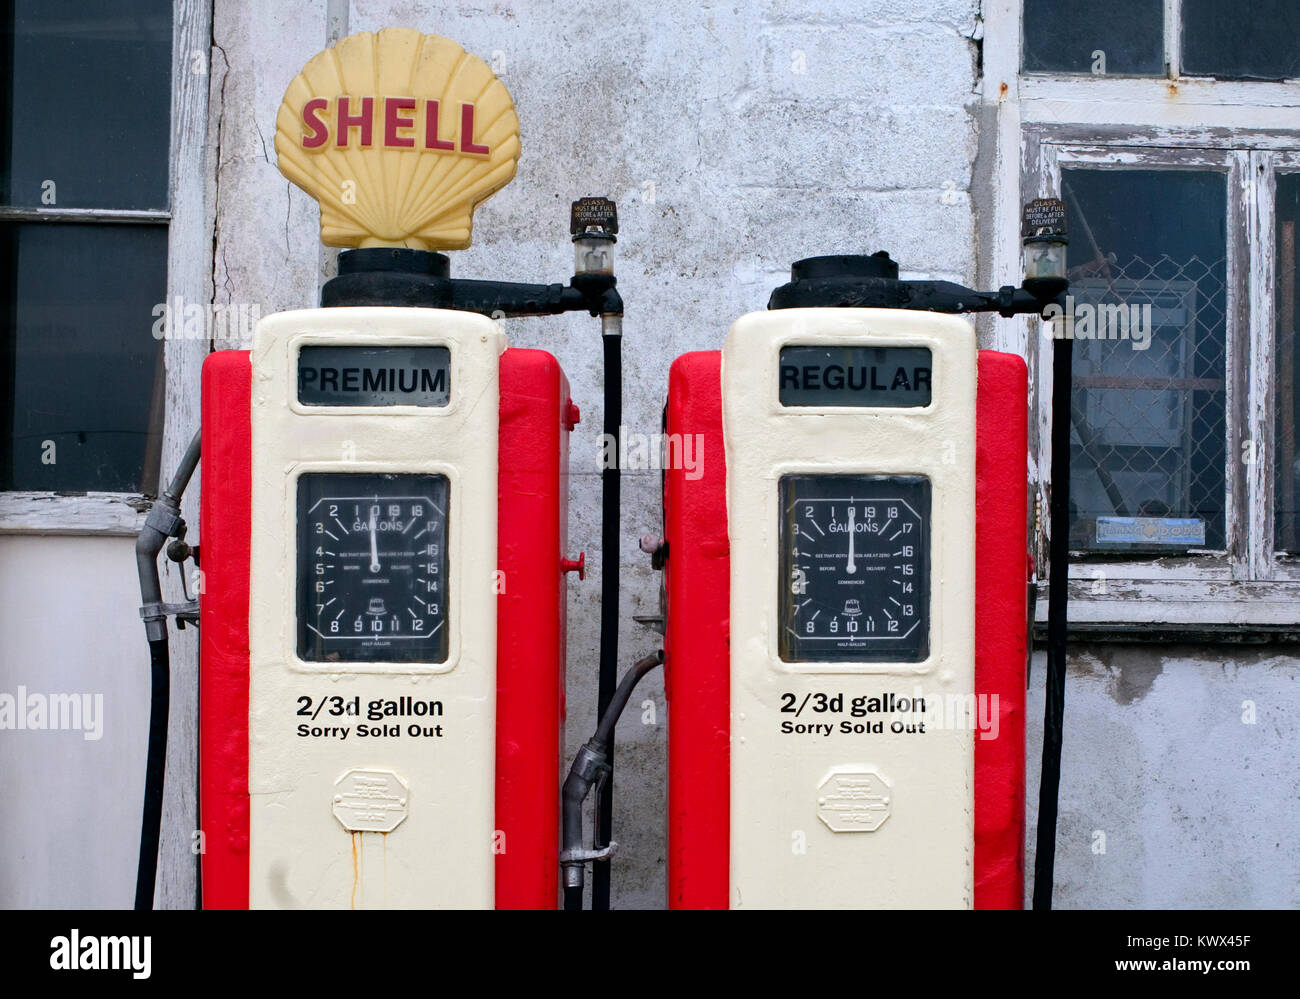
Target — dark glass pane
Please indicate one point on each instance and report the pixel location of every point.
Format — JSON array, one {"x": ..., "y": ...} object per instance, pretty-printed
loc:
[
  {"x": 1286, "y": 522},
  {"x": 86, "y": 92},
  {"x": 80, "y": 368},
  {"x": 1148, "y": 272},
  {"x": 1257, "y": 41},
  {"x": 1108, "y": 37}
]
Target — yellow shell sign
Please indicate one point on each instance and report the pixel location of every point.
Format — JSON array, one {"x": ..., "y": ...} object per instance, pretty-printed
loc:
[{"x": 399, "y": 135}]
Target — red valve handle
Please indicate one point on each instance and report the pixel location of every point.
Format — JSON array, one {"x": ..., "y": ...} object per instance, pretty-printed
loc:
[{"x": 579, "y": 565}]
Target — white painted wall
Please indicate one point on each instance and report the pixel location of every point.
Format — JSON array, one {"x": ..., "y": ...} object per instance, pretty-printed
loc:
[
  {"x": 70, "y": 806},
  {"x": 1171, "y": 797}
]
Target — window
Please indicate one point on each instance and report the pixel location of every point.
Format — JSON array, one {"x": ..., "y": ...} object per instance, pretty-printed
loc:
[
  {"x": 1148, "y": 278},
  {"x": 1179, "y": 38},
  {"x": 102, "y": 221},
  {"x": 83, "y": 244},
  {"x": 1122, "y": 37},
  {"x": 1168, "y": 128}
]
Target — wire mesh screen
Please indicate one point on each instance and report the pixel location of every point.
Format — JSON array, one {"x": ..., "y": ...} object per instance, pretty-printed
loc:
[{"x": 1148, "y": 431}]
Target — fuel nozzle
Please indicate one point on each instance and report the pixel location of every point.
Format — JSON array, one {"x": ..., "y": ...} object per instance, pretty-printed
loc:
[{"x": 592, "y": 768}]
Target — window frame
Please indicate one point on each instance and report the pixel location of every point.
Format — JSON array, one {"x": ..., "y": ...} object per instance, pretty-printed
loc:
[
  {"x": 1044, "y": 121},
  {"x": 189, "y": 276}
]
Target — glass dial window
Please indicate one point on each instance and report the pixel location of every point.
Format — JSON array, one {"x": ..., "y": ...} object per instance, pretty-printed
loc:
[
  {"x": 855, "y": 568},
  {"x": 372, "y": 568}
]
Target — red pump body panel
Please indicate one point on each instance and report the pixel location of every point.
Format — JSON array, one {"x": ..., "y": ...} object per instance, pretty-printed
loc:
[
  {"x": 535, "y": 418},
  {"x": 225, "y": 519},
  {"x": 697, "y": 663},
  {"x": 1001, "y": 624},
  {"x": 532, "y": 511}
]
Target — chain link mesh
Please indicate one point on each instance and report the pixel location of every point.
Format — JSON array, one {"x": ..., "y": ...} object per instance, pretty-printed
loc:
[{"x": 1148, "y": 428}]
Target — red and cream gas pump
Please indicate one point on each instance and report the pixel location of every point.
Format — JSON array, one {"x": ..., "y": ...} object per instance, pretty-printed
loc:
[
  {"x": 845, "y": 585},
  {"x": 384, "y": 521}
]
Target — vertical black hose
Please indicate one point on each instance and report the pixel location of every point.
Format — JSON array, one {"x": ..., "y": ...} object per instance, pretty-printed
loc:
[
  {"x": 155, "y": 773},
  {"x": 162, "y": 521},
  {"x": 609, "y": 570},
  {"x": 1057, "y": 605},
  {"x": 573, "y": 899}
]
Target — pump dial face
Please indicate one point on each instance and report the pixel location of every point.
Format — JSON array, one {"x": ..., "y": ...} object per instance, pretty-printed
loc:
[
  {"x": 855, "y": 568},
  {"x": 372, "y": 568}
]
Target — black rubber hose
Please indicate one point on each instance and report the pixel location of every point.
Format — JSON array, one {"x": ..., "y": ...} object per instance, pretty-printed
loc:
[
  {"x": 573, "y": 899},
  {"x": 609, "y": 719},
  {"x": 610, "y": 531},
  {"x": 155, "y": 773},
  {"x": 162, "y": 521},
  {"x": 1058, "y": 595},
  {"x": 185, "y": 470}
]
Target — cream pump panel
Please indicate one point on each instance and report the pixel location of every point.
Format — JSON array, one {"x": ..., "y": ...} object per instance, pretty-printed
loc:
[
  {"x": 374, "y": 514},
  {"x": 850, "y": 449}
]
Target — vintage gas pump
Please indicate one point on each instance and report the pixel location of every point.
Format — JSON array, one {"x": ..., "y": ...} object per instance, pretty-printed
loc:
[
  {"x": 384, "y": 521},
  {"x": 845, "y": 586}
]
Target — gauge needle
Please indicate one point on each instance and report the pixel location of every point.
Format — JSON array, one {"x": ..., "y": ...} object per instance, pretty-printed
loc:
[
  {"x": 852, "y": 566},
  {"x": 374, "y": 545}
]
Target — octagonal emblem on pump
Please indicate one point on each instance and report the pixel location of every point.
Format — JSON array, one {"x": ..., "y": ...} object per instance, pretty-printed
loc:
[
  {"x": 854, "y": 799},
  {"x": 370, "y": 800}
]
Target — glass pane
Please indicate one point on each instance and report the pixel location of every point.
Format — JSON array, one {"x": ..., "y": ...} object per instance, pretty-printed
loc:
[
  {"x": 1115, "y": 37},
  {"x": 1286, "y": 522},
  {"x": 86, "y": 92},
  {"x": 1258, "y": 42},
  {"x": 1148, "y": 272},
  {"x": 80, "y": 368}
]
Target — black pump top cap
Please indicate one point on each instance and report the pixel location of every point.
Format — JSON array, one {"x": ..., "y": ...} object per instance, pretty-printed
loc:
[
  {"x": 394, "y": 260},
  {"x": 878, "y": 265},
  {"x": 842, "y": 281},
  {"x": 390, "y": 276}
]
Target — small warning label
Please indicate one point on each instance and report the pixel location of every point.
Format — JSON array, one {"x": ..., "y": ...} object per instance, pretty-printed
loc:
[
  {"x": 370, "y": 800},
  {"x": 855, "y": 800}
]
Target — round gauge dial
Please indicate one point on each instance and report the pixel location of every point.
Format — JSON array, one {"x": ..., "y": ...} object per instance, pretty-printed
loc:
[
  {"x": 855, "y": 568},
  {"x": 372, "y": 568}
]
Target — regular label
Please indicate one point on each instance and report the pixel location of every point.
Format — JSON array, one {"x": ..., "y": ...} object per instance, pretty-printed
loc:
[{"x": 875, "y": 377}]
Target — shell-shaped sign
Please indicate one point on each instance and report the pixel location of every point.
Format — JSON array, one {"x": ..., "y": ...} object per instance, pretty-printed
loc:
[{"x": 399, "y": 135}]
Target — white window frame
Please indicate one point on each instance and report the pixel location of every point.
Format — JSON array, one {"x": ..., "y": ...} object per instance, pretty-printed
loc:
[
  {"x": 1249, "y": 131},
  {"x": 189, "y": 276}
]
